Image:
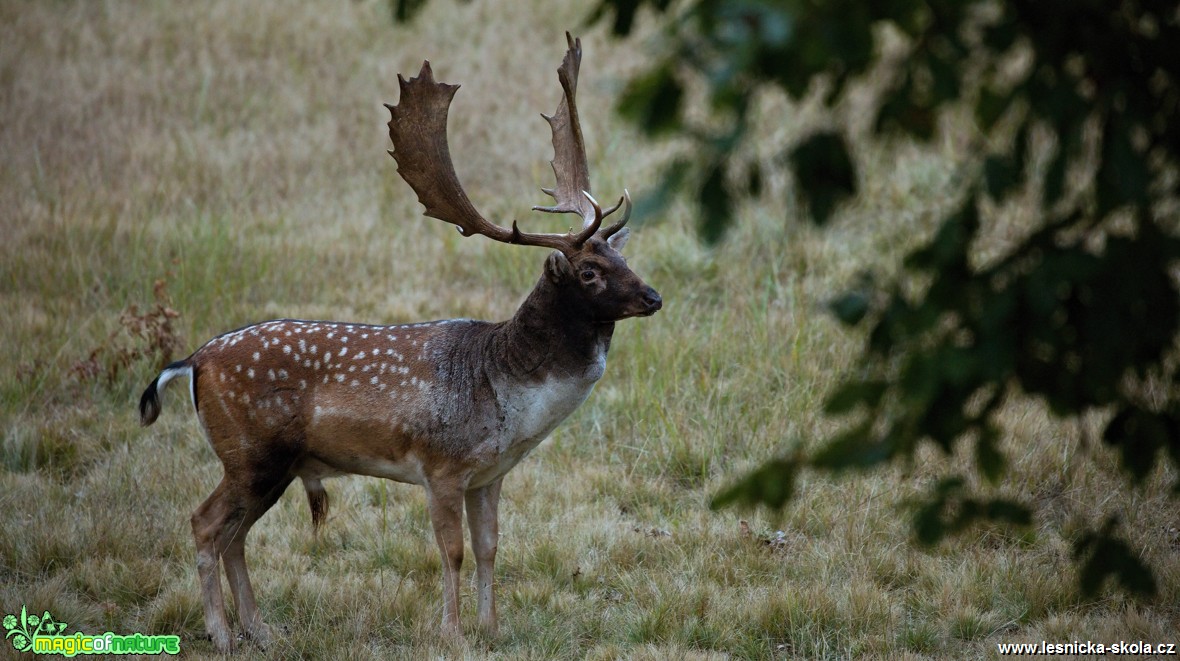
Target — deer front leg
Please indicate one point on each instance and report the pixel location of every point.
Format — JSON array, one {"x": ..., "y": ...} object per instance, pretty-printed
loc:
[
  {"x": 445, "y": 502},
  {"x": 483, "y": 521}
]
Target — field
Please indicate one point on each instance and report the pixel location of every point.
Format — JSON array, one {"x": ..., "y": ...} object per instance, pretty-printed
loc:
[{"x": 177, "y": 170}]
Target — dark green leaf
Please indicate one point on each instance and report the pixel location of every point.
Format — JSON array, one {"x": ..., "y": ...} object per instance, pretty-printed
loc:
[
  {"x": 715, "y": 203},
  {"x": 1140, "y": 435},
  {"x": 991, "y": 461},
  {"x": 653, "y": 101},
  {"x": 854, "y": 393},
  {"x": 947, "y": 251},
  {"x": 850, "y": 308},
  {"x": 1001, "y": 174},
  {"x": 855, "y": 447},
  {"x": 404, "y": 10},
  {"x": 990, "y": 106},
  {"x": 1123, "y": 176},
  {"x": 1104, "y": 555},
  {"x": 825, "y": 173},
  {"x": 1054, "y": 180},
  {"x": 772, "y": 484}
]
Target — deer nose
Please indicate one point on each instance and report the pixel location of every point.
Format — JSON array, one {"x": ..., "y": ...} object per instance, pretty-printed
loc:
[{"x": 652, "y": 300}]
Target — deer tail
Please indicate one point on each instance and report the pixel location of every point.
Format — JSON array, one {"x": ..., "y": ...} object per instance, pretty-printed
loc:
[{"x": 149, "y": 403}]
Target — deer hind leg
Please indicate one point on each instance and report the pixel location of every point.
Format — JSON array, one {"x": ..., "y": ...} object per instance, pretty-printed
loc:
[
  {"x": 483, "y": 521},
  {"x": 234, "y": 556},
  {"x": 220, "y": 526},
  {"x": 445, "y": 502},
  {"x": 207, "y": 523}
]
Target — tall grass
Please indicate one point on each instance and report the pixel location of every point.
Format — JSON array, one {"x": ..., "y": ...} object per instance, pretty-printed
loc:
[{"x": 236, "y": 151}]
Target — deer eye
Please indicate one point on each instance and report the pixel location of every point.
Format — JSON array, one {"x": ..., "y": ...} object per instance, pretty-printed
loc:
[{"x": 588, "y": 275}]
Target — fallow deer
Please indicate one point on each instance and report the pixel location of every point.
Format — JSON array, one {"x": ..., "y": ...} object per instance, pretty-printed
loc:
[{"x": 450, "y": 405}]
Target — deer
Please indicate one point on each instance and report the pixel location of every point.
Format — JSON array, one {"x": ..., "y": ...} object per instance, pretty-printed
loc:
[{"x": 449, "y": 405}]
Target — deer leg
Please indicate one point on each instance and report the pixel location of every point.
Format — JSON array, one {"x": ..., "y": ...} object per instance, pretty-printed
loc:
[
  {"x": 445, "y": 502},
  {"x": 483, "y": 521},
  {"x": 207, "y": 523},
  {"x": 234, "y": 558}
]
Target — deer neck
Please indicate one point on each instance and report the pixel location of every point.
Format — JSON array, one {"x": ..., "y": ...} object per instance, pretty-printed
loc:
[{"x": 551, "y": 337}]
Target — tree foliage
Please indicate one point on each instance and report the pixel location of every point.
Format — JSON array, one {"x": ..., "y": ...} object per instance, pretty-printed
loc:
[{"x": 1075, "y": 103}]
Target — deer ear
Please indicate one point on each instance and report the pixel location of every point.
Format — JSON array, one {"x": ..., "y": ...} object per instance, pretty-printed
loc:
[
  {"x": 557, "y": 267},
  {"x": 619, "y": 239}
]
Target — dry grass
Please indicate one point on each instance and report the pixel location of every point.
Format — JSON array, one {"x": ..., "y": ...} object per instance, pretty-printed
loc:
[{"x": 236, "y": 150}]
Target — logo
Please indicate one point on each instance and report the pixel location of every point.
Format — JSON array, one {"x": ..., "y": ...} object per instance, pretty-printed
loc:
[{"x": 45, "y": 635}]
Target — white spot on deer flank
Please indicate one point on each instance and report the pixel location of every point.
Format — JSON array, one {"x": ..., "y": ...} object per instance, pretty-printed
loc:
[
  {"x": 302, "y": 384},
  {"x": 314, "y": 349},
  {"x": 354, "y": 383},
  {"x": 250, "y": 372},
  {"x": 327, "y": 357},
  {"x": 270, "y": 374},
  {"x": 359, "y": 356},
  {"x": 238, "y": 368},
  {"x": 374, "y": 380},
  {"x": 283, "y": 374},
  {"x": 257, "y": 355},
  {"x": 339, "y": 378},
  {"x": 331, "y": 335},
  {"x": 287, "y": 348},
  {"x": 343, "y": 350}
]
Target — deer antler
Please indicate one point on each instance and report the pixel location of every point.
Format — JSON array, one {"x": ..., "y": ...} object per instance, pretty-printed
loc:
[
  {"x": 572, "y": 191},
  {"x": 418, "y": 129}
]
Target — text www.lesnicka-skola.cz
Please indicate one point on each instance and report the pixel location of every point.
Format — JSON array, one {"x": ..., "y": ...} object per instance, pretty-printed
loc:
[{"x": 1087, "y": 647}]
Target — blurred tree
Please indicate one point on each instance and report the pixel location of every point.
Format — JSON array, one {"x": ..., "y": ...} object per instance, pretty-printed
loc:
[{"x": 1075, "y": 103}]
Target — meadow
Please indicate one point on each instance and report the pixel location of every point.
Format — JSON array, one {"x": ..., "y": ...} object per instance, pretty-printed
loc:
[{"x": 172, "y": 171}]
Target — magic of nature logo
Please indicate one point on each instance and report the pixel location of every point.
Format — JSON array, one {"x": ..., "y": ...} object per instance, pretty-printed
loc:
[{"x": 42, "y": 634}]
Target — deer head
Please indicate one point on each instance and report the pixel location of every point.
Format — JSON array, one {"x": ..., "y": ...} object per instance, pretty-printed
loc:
[{"x": 586, "y": 268}]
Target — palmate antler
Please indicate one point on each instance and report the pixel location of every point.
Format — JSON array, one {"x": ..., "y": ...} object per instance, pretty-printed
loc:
[
  {"x": 418, "y": 129},
  {"x": 572, "y": 191}
]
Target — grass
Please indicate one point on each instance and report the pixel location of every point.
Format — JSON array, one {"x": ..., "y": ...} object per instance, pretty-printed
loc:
[{"x": 236, "y": 151}]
